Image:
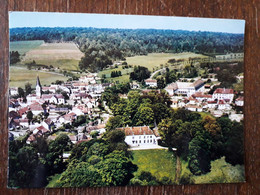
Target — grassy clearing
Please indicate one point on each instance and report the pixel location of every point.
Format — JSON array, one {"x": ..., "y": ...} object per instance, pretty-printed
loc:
[
  {"x": 121, "y": 79},
  {"x": 24, "y": 46},
  {"x": 153, "y": 60},
  {"x": 20, "y": 76},
  {"x": 159, "y": 162},
  {"x": 62, "y": 55},
  {"x": 222, "y": 172}
]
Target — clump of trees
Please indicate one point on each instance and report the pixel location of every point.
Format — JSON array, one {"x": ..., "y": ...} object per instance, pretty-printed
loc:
[
  {"x": 140, "y": 73},
  {"x": 116, "y": 74},
  {"x": 137, "y": 110},
  {"x": 226, "y": 71},
  {"x": 94, "y": 60},
  {"x": 40, "y": 158},
  {"x": 99, "y": 162},
  {"x": 202, "y": 139},
  {"x": 14, "y": 57}
]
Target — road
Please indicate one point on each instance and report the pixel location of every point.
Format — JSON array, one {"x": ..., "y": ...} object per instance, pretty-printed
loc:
[{"x": 152, "y": 75}]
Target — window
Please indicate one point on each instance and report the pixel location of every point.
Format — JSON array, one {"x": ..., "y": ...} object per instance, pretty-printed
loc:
[
  {"x": 133, "y": 137},
  {"x": 139, "y": 141},
  {"x": 144, "y": 141},
  {"x": 150, "y": 136}
]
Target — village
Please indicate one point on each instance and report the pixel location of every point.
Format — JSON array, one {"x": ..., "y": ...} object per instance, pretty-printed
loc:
[{"x": 74, "y": 107}]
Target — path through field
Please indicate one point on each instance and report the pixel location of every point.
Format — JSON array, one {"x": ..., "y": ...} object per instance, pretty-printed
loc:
[{"x": 178, "y": 169}]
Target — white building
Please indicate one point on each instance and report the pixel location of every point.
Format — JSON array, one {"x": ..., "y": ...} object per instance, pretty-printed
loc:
[
  {"x": 140, "y": 136},
  {"x": 151, "y": 82},
  {"x": 224, "y": 94},
  {"x": 13, "y": 90},
  {"x": 230, "y": 56},
  {"x": 240, "y": 101},
  {"x": 185, "y": 88}
]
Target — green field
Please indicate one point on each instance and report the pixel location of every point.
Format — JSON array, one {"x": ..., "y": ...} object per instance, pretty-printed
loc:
[
  {"x": 24, "y": 46},
  {"x": 20, "y": 76},
  {"x": 122, "y": 79},
  {"x": 63, "y": 55},
  {"x": 160, "y": 163},
  {"x": 153, "y": 60}
]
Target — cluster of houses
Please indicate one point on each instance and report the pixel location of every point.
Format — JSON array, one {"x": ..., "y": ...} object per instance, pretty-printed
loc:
[
  {"x": 194, "y": 97},
  {"x": 64, "y": 103},
  {"x": 51, "y": 101}
]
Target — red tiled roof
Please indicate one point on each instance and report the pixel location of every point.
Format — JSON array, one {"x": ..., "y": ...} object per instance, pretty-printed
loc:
[
  {"x": 36, "y": 106},
  {"x": 23, "y": 110},
  {"x": 241, "y": 98},
  {"x": 137, "y": 130},
  {"x": 151, "y": 80},
  {"x": 224, "y": 91},
  {"x": 201, "y": 95},
  {"x": 42, "y": 129}
]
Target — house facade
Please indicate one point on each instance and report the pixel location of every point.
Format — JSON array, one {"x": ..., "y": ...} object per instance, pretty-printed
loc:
[
  {"x": 140, "y": 136},
  {"x": 224, "y": 94}
]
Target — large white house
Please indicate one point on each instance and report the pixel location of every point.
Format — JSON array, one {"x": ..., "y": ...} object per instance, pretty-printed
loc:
[
  {"x": 185, "y": 88},
  {"x": 140, "y": 136},
  {"x": 151, "y": 82},
  {"x": 224, "y": 94}
]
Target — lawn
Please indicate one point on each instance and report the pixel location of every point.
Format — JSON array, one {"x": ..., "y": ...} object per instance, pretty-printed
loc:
[
  {"x": 19, "y": 76},
  {"x": 62, "y": 55},
  {"x": 24, "y": 46},
  {"x": 159, "y": 162},
  {"x": 121, "y": 79},
  {"x": 153, "y": 60}
]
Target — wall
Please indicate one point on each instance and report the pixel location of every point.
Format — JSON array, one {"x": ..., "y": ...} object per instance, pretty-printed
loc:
[{"x": 241, "y": 9}]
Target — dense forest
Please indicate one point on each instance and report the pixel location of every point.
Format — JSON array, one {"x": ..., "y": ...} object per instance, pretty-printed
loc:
[{"x": 103, "y": 45}]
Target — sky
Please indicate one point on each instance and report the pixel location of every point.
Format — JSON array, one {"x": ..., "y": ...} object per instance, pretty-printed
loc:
[{"x": 51, "y": 19}]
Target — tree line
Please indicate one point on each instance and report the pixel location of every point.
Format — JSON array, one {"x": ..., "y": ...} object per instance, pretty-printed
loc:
[{"x": 104, "y": 45}]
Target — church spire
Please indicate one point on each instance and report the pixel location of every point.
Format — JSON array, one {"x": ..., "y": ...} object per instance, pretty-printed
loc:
[
  {"x": 38, "y": 87},
  {"x": 38, "y": 83}
]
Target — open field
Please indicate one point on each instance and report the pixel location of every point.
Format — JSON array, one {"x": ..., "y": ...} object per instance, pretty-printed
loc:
[
  {"x": 24, "y": 46},
  {"x": 159, "y": 162},
  {"x": 153, "y": 60},
  {"x": 19, "y": 76},
  {"x": 62, "y": 55}
]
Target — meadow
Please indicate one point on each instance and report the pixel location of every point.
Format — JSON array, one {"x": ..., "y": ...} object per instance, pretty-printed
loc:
[
  {"x": 121, "y": 79},
  {"x": 24, "y": 46},
  {"x": 160, "y": 163},
  {"x": 153, "y": 60},
  {"x": 63, "y": 55},
  {"x": 19, "y": 76}
]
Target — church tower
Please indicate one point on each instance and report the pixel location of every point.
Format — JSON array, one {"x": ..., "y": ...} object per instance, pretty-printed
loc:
[{"x": 38, "y": 87}]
